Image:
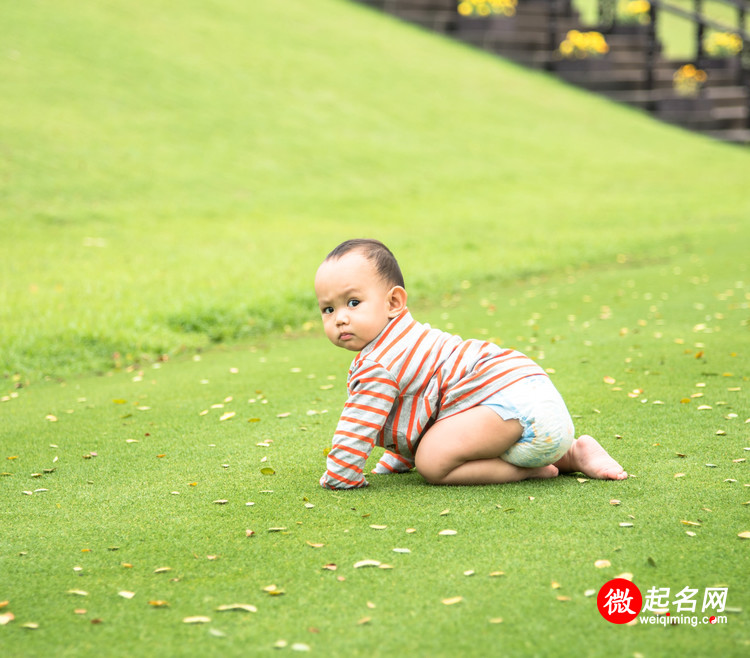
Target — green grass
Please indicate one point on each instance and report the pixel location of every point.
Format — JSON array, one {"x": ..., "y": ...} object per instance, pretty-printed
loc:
[
  {"x": 669, "y": 329},
  {"x": 171, "y": 176}
]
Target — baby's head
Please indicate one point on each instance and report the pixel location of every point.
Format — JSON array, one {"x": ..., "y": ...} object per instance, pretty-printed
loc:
[{"x": 360, "y": 289}]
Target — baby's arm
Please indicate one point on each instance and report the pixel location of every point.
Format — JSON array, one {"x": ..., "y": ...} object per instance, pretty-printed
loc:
[
  {"x": 373, "y": 392},
  {"x": 390, "y": 462}
]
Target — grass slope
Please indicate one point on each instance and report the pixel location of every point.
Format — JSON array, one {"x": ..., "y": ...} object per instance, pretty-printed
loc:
[
  {"x": 172, "y": 173},
  {"x": 636, "y": 349}
]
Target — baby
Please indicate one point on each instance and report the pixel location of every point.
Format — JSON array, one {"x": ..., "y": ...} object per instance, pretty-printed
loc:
[{"x": 461, "y": 411}]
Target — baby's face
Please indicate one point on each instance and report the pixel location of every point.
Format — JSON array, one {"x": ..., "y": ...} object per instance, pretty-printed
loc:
[{"x": 353, "y": 300}]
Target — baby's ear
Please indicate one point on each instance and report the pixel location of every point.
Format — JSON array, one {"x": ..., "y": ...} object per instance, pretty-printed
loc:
[{"x": 396, "y": 301}]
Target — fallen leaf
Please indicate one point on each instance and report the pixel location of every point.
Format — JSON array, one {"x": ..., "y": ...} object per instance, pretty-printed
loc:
[
  {"x": 221, "y": 501},
  {"x": 78, "y": 592},
  {"x": 267, "y": 470},
  {"x": 279, "y": 529},
  {"x": 158, "y": 604},
  {"x": 364, "y": 620},
  {"x": 401, "y": 550},
  {"x": 448, "y": 532},
  {"x": 693, "y": 523},
  {"x": 496, "y": 620},
  {"x": 614, "y": 501},
  {"x": 602, "y": 564},
  {"x": 445, "y": 512},
  {"x": 162, "y": 569},
  {"x": 228, "y": 415},
  {"x": 298, "y": 646},
  {"x": 744, "y": 535},
  {"x": 6, "y": 618},
  {"x": 330, "y": 567},
  {"x": 244, "y": 607},
  {"x": 197, "y": 620},
  {"x": 366, "y": 563},
  {"x": 272, "y": 590},
  {"x": 378, "y": 527},
  {"x": 30, "y": 626},
  {"x": 453, "y": 600},
  {"x": 126, "y": 595}
]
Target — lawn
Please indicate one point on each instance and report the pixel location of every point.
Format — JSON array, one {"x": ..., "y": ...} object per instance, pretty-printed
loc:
[{"x": 171, "y": 176}]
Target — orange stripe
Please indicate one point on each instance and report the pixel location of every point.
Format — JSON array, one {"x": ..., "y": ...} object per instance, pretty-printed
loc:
[
  {"x": 377, "y": 379},
  {"x": 412, "y": 352},
  {"x": 382, "y": 396},
  {"x": 341, "y": 478},
  {"x": 359, "y": 421},
  {"x": 391, "y": 326},
  {"x": 459, "y": 359},
  {"x": 364, "y": 407},
  {"x": 350, "y": 450},
  {"x": 353, "y": 435},
  {"x": 395, "y": 341}
]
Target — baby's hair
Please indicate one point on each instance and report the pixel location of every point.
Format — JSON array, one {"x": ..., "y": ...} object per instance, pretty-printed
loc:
[{"x": 375, "y": 251}]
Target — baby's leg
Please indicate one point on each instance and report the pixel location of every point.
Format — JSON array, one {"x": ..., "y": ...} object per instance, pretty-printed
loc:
[
  {"x": 466, "y": 449},
  {"x": 587, "y": 456}
]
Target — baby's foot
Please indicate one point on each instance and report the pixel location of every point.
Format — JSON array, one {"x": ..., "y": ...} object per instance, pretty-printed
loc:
[{"x": 587, "y": 456}]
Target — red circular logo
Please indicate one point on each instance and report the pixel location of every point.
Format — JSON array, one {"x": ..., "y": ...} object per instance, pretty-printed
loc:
[{"x": 619, "y": 601}]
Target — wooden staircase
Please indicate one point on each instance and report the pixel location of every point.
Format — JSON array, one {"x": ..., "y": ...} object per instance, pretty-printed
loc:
[{"x": 634, "y": 71}]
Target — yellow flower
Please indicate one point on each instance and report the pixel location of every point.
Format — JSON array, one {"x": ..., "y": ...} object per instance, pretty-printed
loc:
[{"x": 465, "y": 9}]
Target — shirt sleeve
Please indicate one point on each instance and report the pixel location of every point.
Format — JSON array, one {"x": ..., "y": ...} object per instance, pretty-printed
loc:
[
  {"x": 372, "y": 394},
  {"x": 390, "y": 462}
]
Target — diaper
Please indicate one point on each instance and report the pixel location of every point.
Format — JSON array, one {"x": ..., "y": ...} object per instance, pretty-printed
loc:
[{"x": 547, "y": 426}]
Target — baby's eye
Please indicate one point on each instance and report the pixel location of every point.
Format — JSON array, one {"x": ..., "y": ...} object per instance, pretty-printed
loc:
[
  {"x": 327, "y": 310},
  {"x": 352, "y": 303}
]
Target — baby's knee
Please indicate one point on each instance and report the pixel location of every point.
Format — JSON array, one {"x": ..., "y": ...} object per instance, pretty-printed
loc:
[{"x": 429, "y": 470}]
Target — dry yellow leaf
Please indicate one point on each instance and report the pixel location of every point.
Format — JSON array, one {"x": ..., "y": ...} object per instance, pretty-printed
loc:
[
  {"x": 602, "y": 564},
  {"x": 366, "y": 563},
  {"x": 244, "y": 607},
  {"x": 496, "y": 620},
  {"x": 453, "y": 600},
  {"x": 197, "y": 620},
  {"x": 378, "y": 527},
  {"x": 158, "y": 604},
  {"x": 744, "y": 535},
  {"x": 6, "y": 618},
  {"x": 448, "y": 532},
  {"x": 126, "y": 595}
]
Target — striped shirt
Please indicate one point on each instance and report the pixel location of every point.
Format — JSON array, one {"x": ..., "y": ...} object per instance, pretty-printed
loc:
[{"x": 402, "y": 382}]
